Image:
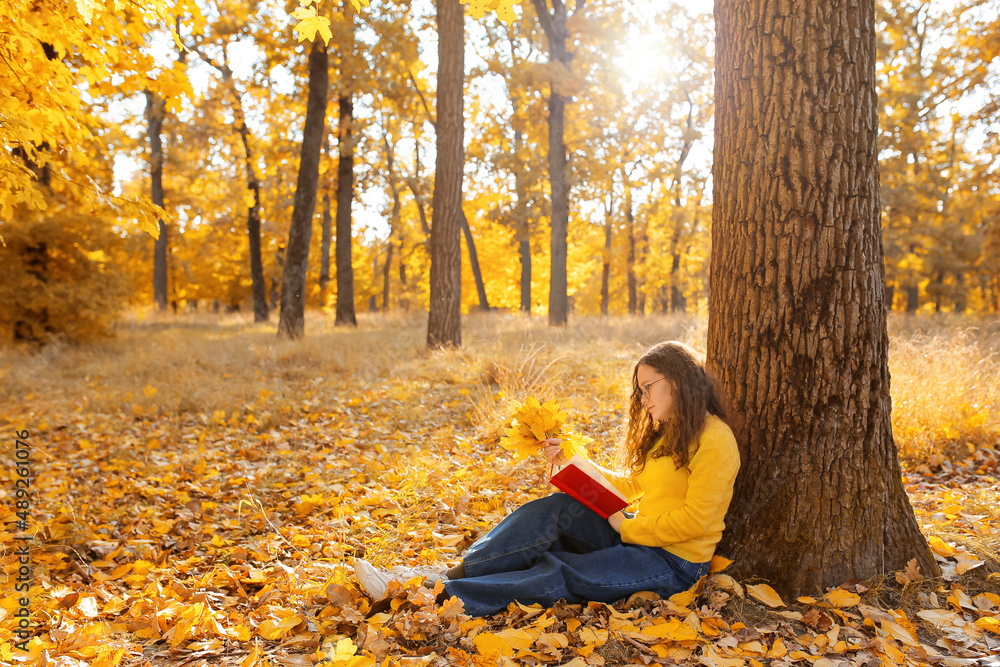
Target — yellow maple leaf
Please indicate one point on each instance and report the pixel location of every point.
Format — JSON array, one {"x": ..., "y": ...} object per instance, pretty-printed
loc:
[
  {"x": 504, "y": 8},
  {"x": 310, "y": 23}
]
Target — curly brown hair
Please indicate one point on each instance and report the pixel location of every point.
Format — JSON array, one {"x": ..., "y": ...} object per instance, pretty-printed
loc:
[{"x": 695, "y": 395}]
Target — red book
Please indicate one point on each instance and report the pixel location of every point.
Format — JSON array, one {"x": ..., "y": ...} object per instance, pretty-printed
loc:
[{"x": 581, "y": 480}]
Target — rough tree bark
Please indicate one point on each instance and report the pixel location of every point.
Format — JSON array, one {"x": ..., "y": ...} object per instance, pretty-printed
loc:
[
  {"x": 470, "y": 242},
  {"x": 444, "y": 322},
  {"x": 554, "y": 25},
  {"x": 155, "y": 111},
  {"x": 291, "y": 322},
  {"x": 797, "y": 327},
  {"x": 345, "y": 196}
]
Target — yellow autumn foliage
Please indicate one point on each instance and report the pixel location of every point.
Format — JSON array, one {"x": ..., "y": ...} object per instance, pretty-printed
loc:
[{"x": 534, "y": 422}]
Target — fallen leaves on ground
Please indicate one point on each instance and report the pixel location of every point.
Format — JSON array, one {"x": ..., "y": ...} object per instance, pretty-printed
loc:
[{"x": 223, "y": 538}]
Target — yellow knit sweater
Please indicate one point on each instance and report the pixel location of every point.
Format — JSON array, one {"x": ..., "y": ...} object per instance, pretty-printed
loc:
[{"x": 683, "y": 510}]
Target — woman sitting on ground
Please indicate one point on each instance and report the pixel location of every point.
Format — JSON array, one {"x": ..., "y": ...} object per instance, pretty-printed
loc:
[{"x": 680, "y": 457}]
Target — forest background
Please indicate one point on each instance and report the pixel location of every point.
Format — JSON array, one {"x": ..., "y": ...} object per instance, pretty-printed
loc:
[{"x": 222, "y": 90}]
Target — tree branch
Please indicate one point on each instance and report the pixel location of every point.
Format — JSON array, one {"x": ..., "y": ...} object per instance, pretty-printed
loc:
[
  {"x": 544, "y": 17},
  {"x": 420, "y": 94}
]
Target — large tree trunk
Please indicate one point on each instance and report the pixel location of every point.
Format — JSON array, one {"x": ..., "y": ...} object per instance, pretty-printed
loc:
[
  {"x": 345, "y": 196},
  {"x": 155, "y": 111},
  {"x": 444, "y": 322},
  {"x": 291, "y": 322},
  {"x": 554, "y": 25},
  {"x": 797, "y": 328}
]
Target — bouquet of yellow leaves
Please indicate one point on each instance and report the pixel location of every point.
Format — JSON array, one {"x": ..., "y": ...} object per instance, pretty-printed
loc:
[{"x": 534, "y": 422}]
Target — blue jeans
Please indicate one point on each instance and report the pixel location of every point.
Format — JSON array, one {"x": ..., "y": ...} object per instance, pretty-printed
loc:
[{"x": 555, "y": 547}]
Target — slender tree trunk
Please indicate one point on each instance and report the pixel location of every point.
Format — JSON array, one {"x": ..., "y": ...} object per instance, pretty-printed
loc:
[
  {"x": 404, "y": 298},
  {"x": 345, "y": 197},
  {"x": 325, "y": 242},
  {"x": 960, "y": 295},
  {"x": 279, "y": 269},
  {"x": 606, "y": 262},
  {"x": 633, "y": 291},
  {"x": 912, "y": 299},
  {"x": 291, "y": 322},
  {"x": 444, "y": 323},
  {"x": 386, "y": 272},
  {"x": 521, "y": 221},
  {"x": 797, "y": 330},
  {"x": 554, "y": 25},
  {"x": 259, "y": 288},
  {"x": 677, "y": 301},
  {"x": 477, "y": 273},
  {"x": 938, "y": 291},
  {"x": 395, "y": 228},
  {"x": 155, "y": 111}
]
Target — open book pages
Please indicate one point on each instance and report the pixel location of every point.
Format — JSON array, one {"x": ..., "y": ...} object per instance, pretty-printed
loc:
[{"x": 582, "y": 480}]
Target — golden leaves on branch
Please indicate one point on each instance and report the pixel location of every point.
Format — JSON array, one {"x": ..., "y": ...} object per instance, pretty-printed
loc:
[
  {"x": 310, "y": 21},
  {"x": 503, "y": 8}
]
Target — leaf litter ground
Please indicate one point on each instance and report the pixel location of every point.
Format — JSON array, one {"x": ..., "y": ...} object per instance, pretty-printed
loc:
[{"x": 200, "y": 490}]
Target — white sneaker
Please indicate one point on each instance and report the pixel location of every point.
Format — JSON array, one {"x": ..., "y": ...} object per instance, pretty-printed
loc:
[
  {"x": 375, "y": 580},
  {"x": 431, "y": 574}
]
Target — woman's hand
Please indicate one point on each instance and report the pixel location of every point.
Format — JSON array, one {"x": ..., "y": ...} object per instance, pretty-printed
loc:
[
  {"x": 553, "y": 453},
  {"x": 616, "y": 521}
]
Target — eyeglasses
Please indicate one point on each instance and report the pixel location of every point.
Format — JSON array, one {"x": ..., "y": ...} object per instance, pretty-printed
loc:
[{"x": 645, "y": 390}]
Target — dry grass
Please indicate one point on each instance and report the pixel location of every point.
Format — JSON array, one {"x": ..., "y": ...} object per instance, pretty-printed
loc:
[
  {"x": 945, "y": 372},
  {"x": 945, "y": 387}
]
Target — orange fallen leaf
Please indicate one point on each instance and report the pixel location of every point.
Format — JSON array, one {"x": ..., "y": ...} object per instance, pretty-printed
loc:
[
  {"x": 765, "y": 594},
  {"x": 842, "y": 599},
  {"x": 939, "y": 546},
  {"x": 990, "y": 623},
  {"x": 718, "y": 564},
  {"x": 271, "y": 629}
]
